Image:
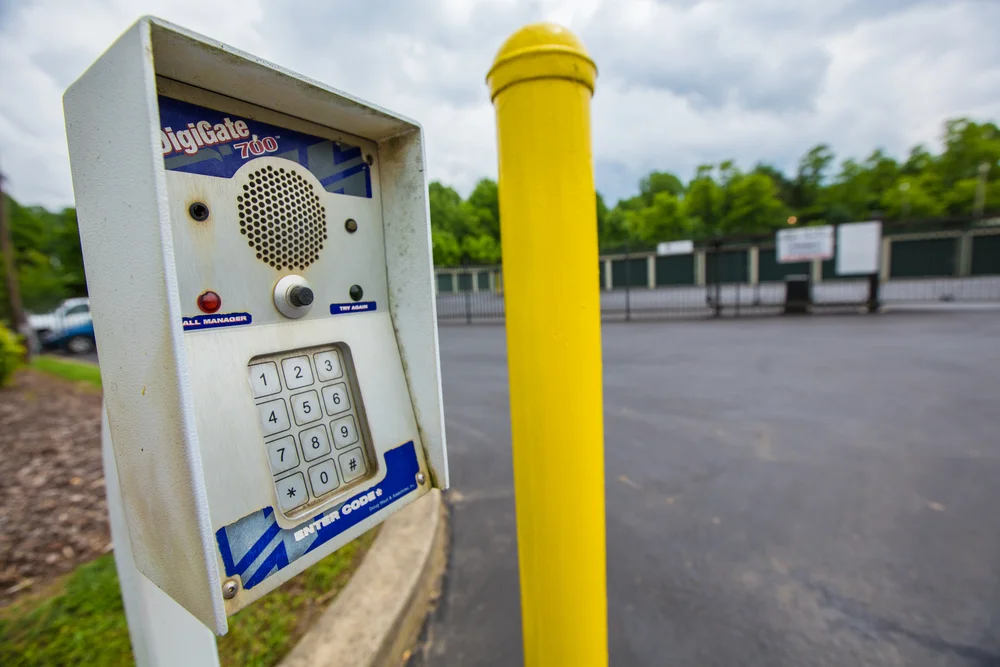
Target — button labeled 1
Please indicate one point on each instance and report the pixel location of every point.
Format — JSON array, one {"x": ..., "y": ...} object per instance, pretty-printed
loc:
[
  {"x": 291, "y": 492},
  {"x": 315, "y": 443},
  {"x": 344, "y": 431},
  {"x": 264, "y": 379}
]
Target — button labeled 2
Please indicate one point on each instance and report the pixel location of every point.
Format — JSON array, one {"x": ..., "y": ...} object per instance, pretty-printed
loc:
[
  {"x": 305, "y": 407},
  {"x": 297, "y": 371}
]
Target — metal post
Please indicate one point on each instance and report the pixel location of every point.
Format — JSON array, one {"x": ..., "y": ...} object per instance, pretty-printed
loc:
[
  {"x": 717, "y": 271},
  {"x": 163, "y": 633},
  {"x": 628, "y": 283},
  {"x": 984, "y": 170},
  {"x": 541, "y": 83}
]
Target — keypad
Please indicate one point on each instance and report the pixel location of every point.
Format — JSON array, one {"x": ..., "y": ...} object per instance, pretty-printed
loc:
[{"x": 310, "y": 420}]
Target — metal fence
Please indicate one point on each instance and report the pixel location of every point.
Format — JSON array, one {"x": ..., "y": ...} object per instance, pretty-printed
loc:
[{"x": 742, "y": 277}]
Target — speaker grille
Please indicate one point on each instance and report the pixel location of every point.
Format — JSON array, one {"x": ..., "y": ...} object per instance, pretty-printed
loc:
[{"x": 282, "y": 218}]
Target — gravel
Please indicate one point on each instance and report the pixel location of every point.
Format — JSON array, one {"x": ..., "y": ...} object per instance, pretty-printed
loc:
[{"x": 54, "y": 513}]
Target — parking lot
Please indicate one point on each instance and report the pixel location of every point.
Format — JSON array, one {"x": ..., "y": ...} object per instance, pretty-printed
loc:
[{"x": 780, "y": 491}]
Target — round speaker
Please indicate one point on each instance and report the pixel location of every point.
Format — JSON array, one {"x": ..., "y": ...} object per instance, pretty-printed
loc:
[{"x": 281, "y": 217}]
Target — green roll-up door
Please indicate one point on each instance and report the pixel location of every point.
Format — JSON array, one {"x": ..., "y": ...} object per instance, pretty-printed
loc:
[{"x": 923, "y": 258}]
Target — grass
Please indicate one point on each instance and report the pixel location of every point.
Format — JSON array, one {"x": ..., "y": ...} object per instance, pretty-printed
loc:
[
  {"x": 74, "y": 371},
  {"x": 80, "y": 619}
]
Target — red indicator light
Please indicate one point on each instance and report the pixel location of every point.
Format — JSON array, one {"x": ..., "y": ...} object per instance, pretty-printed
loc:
[{"x": 209, "y": 302}]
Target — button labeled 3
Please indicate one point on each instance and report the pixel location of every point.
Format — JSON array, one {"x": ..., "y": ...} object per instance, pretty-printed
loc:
[{"x": 327, "y": 365}]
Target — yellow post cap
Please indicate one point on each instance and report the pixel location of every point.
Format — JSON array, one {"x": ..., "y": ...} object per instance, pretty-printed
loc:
[{"x": 541, "y": 51}]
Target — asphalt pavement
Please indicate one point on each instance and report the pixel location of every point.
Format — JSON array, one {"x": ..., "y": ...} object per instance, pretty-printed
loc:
[{"x": 780, "y": 492}]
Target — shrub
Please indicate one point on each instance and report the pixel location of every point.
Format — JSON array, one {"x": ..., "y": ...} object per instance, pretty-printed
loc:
[{"x": 11, "y": 355}]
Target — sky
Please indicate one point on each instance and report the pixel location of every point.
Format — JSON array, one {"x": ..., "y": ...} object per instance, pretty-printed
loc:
[{"x": 680, "y": 82}]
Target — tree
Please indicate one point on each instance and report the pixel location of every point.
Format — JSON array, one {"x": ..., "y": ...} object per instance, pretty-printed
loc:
[
  {"x": 752, "y": 204},
  {"x": 484, "y": 204},
  {"x": 659, "y": 181},
  {"x": 663, "y": 220},
  {"x": 703, "y": 202}
]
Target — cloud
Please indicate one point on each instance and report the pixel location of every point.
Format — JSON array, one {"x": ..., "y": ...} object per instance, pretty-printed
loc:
[{"x": 681, "y": 82}]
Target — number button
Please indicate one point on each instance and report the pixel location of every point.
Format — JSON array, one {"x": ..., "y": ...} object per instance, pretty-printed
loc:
[
  {"x": 323, "y": 477},
  {"x": 352, "y": 464},
  {"x": 305, "y": 408},
  {"x": 273, "y": 417},
  {"x": 315, "y": 442},
  {"x": 335, "y": 398},
  {"x": 264, "y": 379},
  {"x": 282, "y": 454},
  {"x": 327, "y": 365},
  {"x": 344, "y": 431},
  {"x": 298, "y": 372},
  {"x": 291, "y": 492}
]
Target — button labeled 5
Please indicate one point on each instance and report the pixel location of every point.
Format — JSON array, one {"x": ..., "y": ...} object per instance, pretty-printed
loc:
[{"x": 305, "y": 407}]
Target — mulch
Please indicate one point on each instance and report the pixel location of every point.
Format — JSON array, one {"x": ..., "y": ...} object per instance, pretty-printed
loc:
[{"x": 53, "y": 511}]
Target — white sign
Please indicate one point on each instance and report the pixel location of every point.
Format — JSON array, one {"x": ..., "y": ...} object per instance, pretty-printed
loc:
[
  {"x": 804, "y": 243},
  {"x": 858, "y": 246},
  {"x": 675, "y": 248}
]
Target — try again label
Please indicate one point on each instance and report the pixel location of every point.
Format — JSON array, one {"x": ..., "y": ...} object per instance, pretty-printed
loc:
[{"x": 344, "y": 308}]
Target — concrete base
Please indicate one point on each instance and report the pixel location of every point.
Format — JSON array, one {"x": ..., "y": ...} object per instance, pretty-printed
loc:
[{"x": 380, "y": 612}]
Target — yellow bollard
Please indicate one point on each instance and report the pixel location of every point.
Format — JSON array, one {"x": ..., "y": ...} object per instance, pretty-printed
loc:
[{"x": 541, "y": 83}]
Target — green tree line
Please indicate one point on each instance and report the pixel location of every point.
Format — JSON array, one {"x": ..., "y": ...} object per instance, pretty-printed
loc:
[
  {"x": 721, "y": 199},
  {"x": 47, "y": 256}
]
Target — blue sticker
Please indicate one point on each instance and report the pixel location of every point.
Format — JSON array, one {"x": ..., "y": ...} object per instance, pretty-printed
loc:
[
  {"x": 353, "y": 307},
  {"x": 197, "y": 140},
  {"x": 255, "y": 547},
  {"x": 199, "y": 322}
]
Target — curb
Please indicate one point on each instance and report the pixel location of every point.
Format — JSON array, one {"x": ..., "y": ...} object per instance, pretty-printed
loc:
[{"x": 379, "y": 614}]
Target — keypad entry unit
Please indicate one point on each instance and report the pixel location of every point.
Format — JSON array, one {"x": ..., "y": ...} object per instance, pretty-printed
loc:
[{"x": 311, "y": 416}]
